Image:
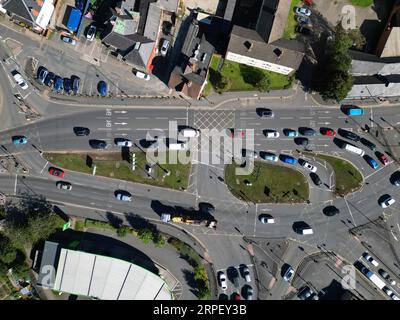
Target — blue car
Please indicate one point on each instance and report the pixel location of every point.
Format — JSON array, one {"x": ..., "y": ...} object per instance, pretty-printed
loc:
[
  {"x": 58, "y": 83},
  {"x": 67, "y": 85},
  {"x": 290, "y": 133},
  {"x": 102, "y": 88},
  {"x": 19, "y": 140},
  {"x": 49, "y": 79},
  {"x": 288, "y": 159},
  {"x": 371, "y": 162}
]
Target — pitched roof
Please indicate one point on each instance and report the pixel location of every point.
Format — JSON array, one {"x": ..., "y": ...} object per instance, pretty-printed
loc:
[
  {"x": 140, "y": 56},
  {"x": 21, "y": 8},
  {"x": 152, "y": 22},
  {"x": 118, "y": 41}
]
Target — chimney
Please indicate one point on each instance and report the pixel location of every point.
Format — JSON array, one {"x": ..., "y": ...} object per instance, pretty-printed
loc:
[{"x": 248, "y": 45}]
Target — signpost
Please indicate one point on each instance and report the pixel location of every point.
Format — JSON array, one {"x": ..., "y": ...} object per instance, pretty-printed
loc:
[{"x": 66, "y": 225}]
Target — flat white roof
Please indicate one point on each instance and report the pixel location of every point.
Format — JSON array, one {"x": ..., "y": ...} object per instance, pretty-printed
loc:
[
  {"x": 107, "y": 278},
  {"x": 45, "y": 14}
]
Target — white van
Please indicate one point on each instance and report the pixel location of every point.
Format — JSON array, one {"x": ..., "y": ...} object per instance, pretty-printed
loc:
[
  {"x": 354, "y": 149},
  {"x": 305, "y": 230},
  {"x": 190, "y": 133},
  {"x": 177, "y": 146}
]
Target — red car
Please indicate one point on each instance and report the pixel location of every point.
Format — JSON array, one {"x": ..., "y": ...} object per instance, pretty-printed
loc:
[
  {"x": 56, "y": 172},
  {"x": 240, "y": 133},
  {"x": 382, "y": 158},
  {"x": 329, "y": 132},
  {"x": 235, "y": 296}
]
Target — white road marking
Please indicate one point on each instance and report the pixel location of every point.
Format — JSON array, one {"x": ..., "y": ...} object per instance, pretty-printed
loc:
[
  {"x": 162, "y": 118},
  {"x": 108, "y": 129},
  {"x": 306, "y": 117},
  {"x": 398, "y": 227},
  {"x": 15, "y": 186},
  {"x": 324, "y": 117},
  {"x": 247, "y": 118},
  {"x": 120, "y": 111},
  {"x": 376, "y": 171},
  {"x": 44, "y": 167},
  {"x": 391, "y": 231},
  {"x": 122, "y": 118},
  {"x": 349, "y": 211},
  {"x": 286, "y": 118},
  {"x": 141, "y": 118},
  {"x": 254, "y": 123}
]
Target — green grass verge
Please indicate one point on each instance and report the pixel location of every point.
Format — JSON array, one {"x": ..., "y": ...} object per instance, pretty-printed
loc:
[
  {"x": 79, "y": 225},
  {"x": 105, "y": 226},
  {"x": 270, "y": 183},
  {"x": 110, "y": 164},
  {"x": 347, "y": 177},
  {"x": 362, "y": 3},
  {"x": 291, "y": 23}
]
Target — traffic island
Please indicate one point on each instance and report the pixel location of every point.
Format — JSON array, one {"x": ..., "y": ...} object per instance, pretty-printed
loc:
[
  {"x": 268, "y": 184},
  {"x": 348, "y": 178},
  {"x": 118, "y": 165}
]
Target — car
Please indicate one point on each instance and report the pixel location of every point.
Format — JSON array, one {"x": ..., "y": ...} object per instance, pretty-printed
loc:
[
  {"x": 395, "y": 178},
  {"x": 49, "y": 79},
  {"x": 330, "y": 211},
  {"x": 249, "y": 154},
  {"x": 81, "y": 131},
  {"x": 270, "y": 133},
  {"x": 315, "y": 178},
  {"x": 79, "y": 4},
  {"x": 41, "y": 74},
  {"x": 122, "y": 142},
  {"x": 288, "y": 274},
  {"x": 20, "y": 80},
  {"x": 123, "y": 195},
  {"x": 328, "y": 132},
  {"x": 368, "y": 144},
  {"x": 303, "y": 30},
  {"x": 303, "y": 11},
  {"x": 223, "y": 296},
  {"x": 222, "y": 280},
  {"x": 268, "y": 156},
  {"x": 368, "y": 258},
  {"x": 67, "y": 84},
  {"x": 58, "y": 84},
  {"x": 303, "y": 20},
  {"x": 306, "y": 293},
  {"x": 102, "y": 88},
  {"x": 249, "y": 293},
  {"x": 141, "y": 75},
  {"x": 386, "y": 201},
  {"x": 239, "y": 133},
  {"x": 386, "y": 276},
  {"x": 75, "y": 84},
  {"x": 19, "y": 140},
  {"x": 373, "y": 164},
  {"x": 246, "y": 273},
  {"x": 68, "y": 40},
  {"x": 266, "y": 219},
  {"x": 91, "y": 33},
  {"x": 56, "y": 172},
  {"x": 64, "y": 185},
  {"x": 233, "y": 276},
  {"x": 387, "y": 291},
  {"x": 382, "y": 158},
  {"x": 290, "y": 133},
  {"x": 307, "y": 165},
  {"x": 394, "y": 297},
  {"x": 307, "y": 131},
  {"x": 265, "y": 113},
  {"x": 349, "y": 135},
  {"x": 235, "y": 296},
  {"x": 288, "y": 159},
  {"x": 301, "y": 141},
  {"x": 164, "y": 47},
  {"x": 98, "y": 144}
]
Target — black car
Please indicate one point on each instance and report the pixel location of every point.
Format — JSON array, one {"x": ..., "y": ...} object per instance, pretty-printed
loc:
[
  {"x": 300, "y": 141},
  {"x": 42, "y": 74},
  {"x": 49, "y": 79},
  {"x": 98, "y": 144},
  {"x": 81, "y": 131},
  {"x": 395, "y": 178},
  {"x": 330, "y": 211},
  {"x": 303, "y": 30},
  {"x": 265, "y": 113},
  {"x": 75, "y": 84},
  {"x": 368, "y": 144},
  {"x": 306, "y": 293},
  {"x": 315, "y": 178},
  {"x": 67, "y": 85},
  {"x": 349, "y": 135},
  {"x": 307, "y": 131}
]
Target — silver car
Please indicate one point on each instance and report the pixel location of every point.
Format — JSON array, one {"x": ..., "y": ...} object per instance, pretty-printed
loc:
[
  {"x": 123, "y": 196},
  {"x": 164, "y": 47}
]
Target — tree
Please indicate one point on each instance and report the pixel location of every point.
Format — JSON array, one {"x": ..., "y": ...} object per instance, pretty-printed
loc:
[
  {"x": 158, "y": 240},
  {"x": 358, "y": 38},
  {"x": 42, "y": 225},
  {"x": 145, "y": 234},
  {"x": 8, "y": 253},
  {"x": 122, "y": 231},
  {"x": 263, "y": 84},
  {"x": 222, "y": 83}
]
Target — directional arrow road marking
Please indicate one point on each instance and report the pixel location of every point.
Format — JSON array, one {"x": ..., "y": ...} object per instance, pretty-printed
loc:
[
  {"x": 118, "y": 111},
  {"x": 121, "y": 123}
]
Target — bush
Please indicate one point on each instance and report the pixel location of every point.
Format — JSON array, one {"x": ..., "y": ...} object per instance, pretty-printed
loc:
[
  {"x": 158, "y": 240},
  {"x": 145, "y": 234},
  {"x": 122, "y": 231}
]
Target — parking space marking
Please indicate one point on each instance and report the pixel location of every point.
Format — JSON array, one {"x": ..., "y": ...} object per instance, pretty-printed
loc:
[{"x": 44, "y": 167}]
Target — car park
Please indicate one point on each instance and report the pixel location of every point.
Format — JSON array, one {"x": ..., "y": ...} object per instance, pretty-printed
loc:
[
  {"x": 266, "y": 218},
  {"x": 307, "y": 165},
  {"x": 328, "y": 132},
  {"x": 368, "y": 258},
  {"x": 98, "y": 144},
  {"x": 75, "y": 84},
  {"x": 164, "y": 47},
  {"x": 290, "y": 133},
  {"x": 265, "y": 113},
  {"x": 20, "y": 80},
  {"x": 288, "y": 274},
  {"x": 56, "y": 172},
  {"x": 307, "y": 131},
  {"x": 270, "y": 133},
  {"x": 222, "y": 280},
  {"x": 63, "y": 185},
  {"x": 41, "y": 74},
  {"x": 81, "y": 131},
  {"x": 91, "y": 33},
  {"x": 303, "y": 11},
  {"x": 315, "y": 178},
  {"x": 19, "y": 140},
  {"x": 349, "y": 135},
  {"x": 386, "y": 201},
  {"x": 58, "y": 84},
  {"x": 102, "y": 88},
  {"x": 268, "y": 156},
  {"x": 306, "y": 293},
  {"x": 141, "y": 75},
  {"x": 67, "y": 84},
  {"x": 368, "y": 144},
  {"x": 68, "y": 40},
  {"x": 288, "y": 159},
  {"x": 49, "y": 79},
  {"x": 372, "y": 163},
  {"x": 331, "y": 211},
  {"x": 122, "y": 142},
  {"x": 123, "y": 195},
  {"x": 382, "y": 158}
]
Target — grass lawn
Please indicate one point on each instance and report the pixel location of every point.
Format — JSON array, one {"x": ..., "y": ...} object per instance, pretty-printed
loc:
[
  {"x": 270, "y": 183},
  {"x": 362, "y": 3},
  {"x": 110, "y": 164},
  {"x": 213, "y": 65},
  {"x": 291, "y": 22},
  {"x": 347, "y": 177}
]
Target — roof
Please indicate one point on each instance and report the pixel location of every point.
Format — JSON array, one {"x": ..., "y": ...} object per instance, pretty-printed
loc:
[
  {"x": 291, "y": 52},
  {"x": 392, "y": 45},
  {"x": 229, "y": 10},
  {"x": 364, "y": 64},
  {"x": 126, "y": 26},
  {"x": 168, "y": 5},
  {"x": 45, "y": 14},
  {"x": 74, "y": 19},
  {"x": 152, "y": 22},
  {"x": 118, "y": 41},
  {"x": 107, "y": 278},
  {"x": 279, "y": 22},
  {"x": 49, "y": 260},
  {"x": 21, "y": 8},
  {"x": 140, "y": 56},
  {"x": 375, "y": 86}
]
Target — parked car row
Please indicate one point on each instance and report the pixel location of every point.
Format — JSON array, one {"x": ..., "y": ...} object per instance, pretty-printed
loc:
[
  {"x": 50, "y": 79},
  {"x": 302, "y": 16},
  {"x": 233, "y": 274}
]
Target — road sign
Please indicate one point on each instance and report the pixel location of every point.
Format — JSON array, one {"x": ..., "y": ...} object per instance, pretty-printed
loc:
[{"x": 66, "y": 225}]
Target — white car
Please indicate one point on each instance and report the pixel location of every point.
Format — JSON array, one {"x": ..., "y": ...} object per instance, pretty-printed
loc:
[
  {"x": 91, "y": 33},
  {"x": 309, "y": 166},
  {"x": 371, "y": 260},
  {"x": 222, "y": 280},
  {"x": 164, "y": 47},
  {"x": 142, "y": 75},
  {"x": 269, "y": 156},
  {"x": 124, "y": 143},
  {"x": 271, "y": 133},
  {"x": 394, "y": 297},
  {"x": 387, "y": 202},
  {"x": 304, "y": 11},
  {"x": 288, "y": 274},
  {"x": 18, "y": 78},
  {"x": 123, "y": 196},
  {"x": 266, "y": 218}
]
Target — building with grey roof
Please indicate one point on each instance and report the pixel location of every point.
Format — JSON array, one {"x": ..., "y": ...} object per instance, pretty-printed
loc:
[{"x": 376, "y": 86}]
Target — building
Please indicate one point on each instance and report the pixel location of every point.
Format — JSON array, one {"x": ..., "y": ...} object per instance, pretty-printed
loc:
[
  {"x": 389, "y": 42},
  {"x": 376, "y": 86},
  {"x": 190, "y": 76},
  {"x": 98, "y": 277},
  {"x": 281, "y": 56},
  {"x": 34, "y": 14}
]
